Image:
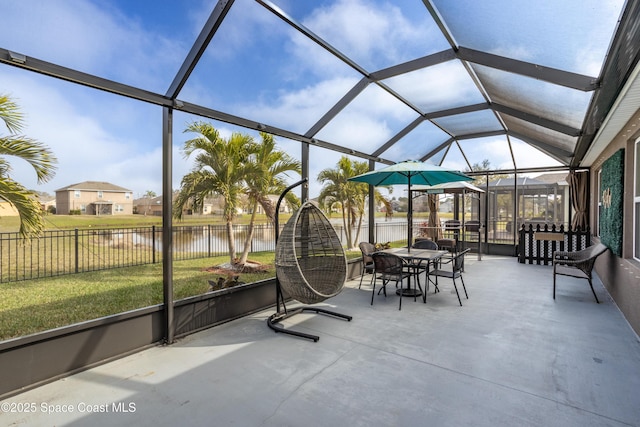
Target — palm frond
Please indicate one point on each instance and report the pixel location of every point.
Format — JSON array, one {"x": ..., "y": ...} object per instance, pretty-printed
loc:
[
  {"x": 10, "y": 114},
  {"x": 35, "y": 153},
  {"x": 29, "y": 210}
]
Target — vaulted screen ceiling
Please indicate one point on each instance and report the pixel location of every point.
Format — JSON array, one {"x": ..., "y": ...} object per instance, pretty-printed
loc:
[{"x": 522, "y": 84}]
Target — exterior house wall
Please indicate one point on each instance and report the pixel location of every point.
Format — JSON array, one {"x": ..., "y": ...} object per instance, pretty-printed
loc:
[
  {"x": 63, "y": 204},
  {"x": 94, "y": 202},
  {"x": 620, "y": 274},
  {"x": 47, "y": 204},
  {"x": 148, "y": 206},
  {"x": 7, "y": 209}
]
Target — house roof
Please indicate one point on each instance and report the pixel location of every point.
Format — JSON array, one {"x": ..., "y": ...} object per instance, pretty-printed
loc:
[
  {"x": 522, "y": 183},
  {"x": 553, "y": 178},
  {"x": 148, "y": 201},
  {"x": 95, "y": 186}
]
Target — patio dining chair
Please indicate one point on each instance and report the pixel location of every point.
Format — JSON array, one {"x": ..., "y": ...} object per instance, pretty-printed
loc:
[
  {"x": 389, "y": 268},
  {"x": 450, "y": 245},
  {"x": 367, "y": 262},
  {"x": 425, "y": 244},
  {"x": 577, "y": 264},
  {"x": 453, "y": 270},
  {"x": 417, "y": 268}
]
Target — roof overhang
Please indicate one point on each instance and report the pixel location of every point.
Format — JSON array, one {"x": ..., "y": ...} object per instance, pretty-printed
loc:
[{"x": 627, "y": 104}]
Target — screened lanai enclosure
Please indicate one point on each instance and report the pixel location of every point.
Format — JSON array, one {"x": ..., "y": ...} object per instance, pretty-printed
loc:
[
  {"x": 524, "y": 202},
  {"x": 513, "y": 86},
  {"x": 505, "y": 88},
  {"x": 522, "y": 85}
]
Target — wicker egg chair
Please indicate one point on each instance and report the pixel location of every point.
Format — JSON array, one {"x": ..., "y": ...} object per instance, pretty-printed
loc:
[
  {"x": 310, "y": 261},
  {"x": 311, "y": 265}
]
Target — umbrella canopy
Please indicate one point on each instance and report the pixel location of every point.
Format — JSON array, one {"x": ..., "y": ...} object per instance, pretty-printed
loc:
[
  {"x": 449, "y": 187},
  {"x": 410, "y": 173}
]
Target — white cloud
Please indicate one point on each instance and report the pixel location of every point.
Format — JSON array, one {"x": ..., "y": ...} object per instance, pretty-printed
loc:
[
  {"x": 438, "y": 87},
  {"x": 98, "y": 40},
  {"x": 301, "y": 109},
  {"x": 369, "y": 33},
  {"x": 85, "y": 139}
]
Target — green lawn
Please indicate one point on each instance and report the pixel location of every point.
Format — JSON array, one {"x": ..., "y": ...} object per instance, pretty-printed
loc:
[{"x": 32, "y": 306}]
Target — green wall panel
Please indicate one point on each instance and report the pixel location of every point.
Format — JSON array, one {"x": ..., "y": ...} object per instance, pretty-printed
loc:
[{"x": 612, "y": 188}]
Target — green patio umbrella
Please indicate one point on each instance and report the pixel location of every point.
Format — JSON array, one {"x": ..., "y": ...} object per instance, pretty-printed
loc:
[{"x": 410, "y": 173}]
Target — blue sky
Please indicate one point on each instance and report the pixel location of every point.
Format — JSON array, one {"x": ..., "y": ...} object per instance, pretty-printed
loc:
[{"x": 258, "y": 68}]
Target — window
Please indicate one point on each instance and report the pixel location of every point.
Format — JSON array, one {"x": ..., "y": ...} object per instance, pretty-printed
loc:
[
  {"x": 127, "y": 196},
  {"x": 76, "y": 194},
  {"x": 119, "y": 208},
  {"x": 99, "y": 194},
  {"x": 83, "y": 208},
  {"x": 636, "y": 203}
]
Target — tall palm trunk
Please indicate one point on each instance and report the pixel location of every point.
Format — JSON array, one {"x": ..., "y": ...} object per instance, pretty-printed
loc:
[
  {"x": 248, "y": 238},
  {"x": 231, "y": 240},
  {"x": 352, "y": 219},
  {"x": 357, "y": 236},
  {"x": 345, "y": 222}
]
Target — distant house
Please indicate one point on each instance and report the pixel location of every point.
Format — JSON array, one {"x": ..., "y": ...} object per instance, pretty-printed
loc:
[
  {"x": 284, "y": 206},
  {"x": 94, "y": 198},
  {"x": 153, "y": 206},
  {"x": 213, "y": 205},
  {"x": 148, "y": 206},
  {"x": 7, "y": 209},
  {"x": 47, "y": 203}
]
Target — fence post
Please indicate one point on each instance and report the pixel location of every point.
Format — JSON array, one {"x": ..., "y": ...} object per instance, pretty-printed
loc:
[
  {"x": 76, "y": 249},
  {"x": 521, "y": 247},
  {"x": 153, "y": 244},
  {"x": 209, "y": 240}
]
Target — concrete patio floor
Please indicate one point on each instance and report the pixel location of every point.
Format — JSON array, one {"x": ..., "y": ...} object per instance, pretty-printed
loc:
[{"x": 511, "y": 356}]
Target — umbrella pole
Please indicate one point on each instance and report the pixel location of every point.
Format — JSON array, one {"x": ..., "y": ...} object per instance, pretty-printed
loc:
[{"x": 409, "y": 216}]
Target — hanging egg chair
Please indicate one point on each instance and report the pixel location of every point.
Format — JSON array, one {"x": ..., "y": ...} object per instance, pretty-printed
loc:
[{"x": 311, "y": 265}]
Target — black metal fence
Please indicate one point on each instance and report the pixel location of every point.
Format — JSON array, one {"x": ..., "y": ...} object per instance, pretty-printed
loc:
[
  {"x": 61, "y": 252},
  {"x": 537, "y": 244}
]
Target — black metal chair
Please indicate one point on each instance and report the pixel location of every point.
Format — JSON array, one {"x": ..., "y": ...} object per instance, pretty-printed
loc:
[
  {"x": 450, "y": 245},
  {"x": 390, "y": 268},
  {"x": 455, "y": 272},
  {"x": 420, "y": 267},
  {"x": 577, "y": 264},
  {"x": 367, "y": 262},
  {"x": 425, "y": 244}
]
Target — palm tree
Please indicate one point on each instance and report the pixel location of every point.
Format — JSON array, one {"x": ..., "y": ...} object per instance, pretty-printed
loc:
[
  {"x": 266, "y": 170},
  {"x": 219, "y": 168},
  {"x": 350, "y": 196},
  {"x": 148, "y": 195},
  {"x": 36, "y": 154}
]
